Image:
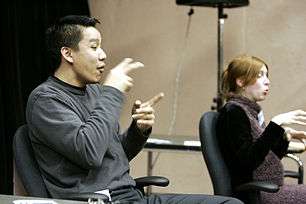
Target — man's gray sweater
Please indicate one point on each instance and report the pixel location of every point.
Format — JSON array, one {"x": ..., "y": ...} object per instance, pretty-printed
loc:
[{"x": 75, "y": 137}]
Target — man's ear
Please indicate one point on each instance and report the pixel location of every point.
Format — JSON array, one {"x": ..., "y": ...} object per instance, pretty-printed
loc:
[
  {"x": 66, "y": 53},
  {"x": 240, "y": 82}
]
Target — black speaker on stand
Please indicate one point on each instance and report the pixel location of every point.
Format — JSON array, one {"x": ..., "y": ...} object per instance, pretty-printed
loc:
[{"x": 220, "y": 5}]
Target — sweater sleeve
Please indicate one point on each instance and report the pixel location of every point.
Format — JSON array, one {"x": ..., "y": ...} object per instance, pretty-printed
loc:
[
  {"x": 236, "y": 138},
  {"x": 280, "y": 147},
  {"x": 133, "y": 140},
  {"x": 55, "y": 122}
]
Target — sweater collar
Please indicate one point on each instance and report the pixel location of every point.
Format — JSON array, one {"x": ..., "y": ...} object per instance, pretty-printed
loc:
[
  {"x": 69, "y": 87},
  {"x": 253, "y": 107}
]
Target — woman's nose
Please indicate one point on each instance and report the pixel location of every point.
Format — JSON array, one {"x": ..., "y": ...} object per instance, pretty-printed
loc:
[{"x": 267, "y": 81}]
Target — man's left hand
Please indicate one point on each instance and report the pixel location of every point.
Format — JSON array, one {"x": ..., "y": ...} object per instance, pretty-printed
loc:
[{"x": 143, "y": 113}]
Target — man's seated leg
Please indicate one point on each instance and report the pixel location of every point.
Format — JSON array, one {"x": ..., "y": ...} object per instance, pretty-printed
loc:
[
  {"x": 131, "y": 195},
  {"x": 191, "y": 198}
]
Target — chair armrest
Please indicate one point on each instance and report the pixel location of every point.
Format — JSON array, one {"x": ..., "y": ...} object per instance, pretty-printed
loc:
[
  {"x": 258, "y": 186},
  {"x": 86, "y": 196},
  {"x": 295, "y": 158},
  {"x": 299, "y": 174},
  {"x": 151, "y": 180},
  {"x": 291, "y": 174}
]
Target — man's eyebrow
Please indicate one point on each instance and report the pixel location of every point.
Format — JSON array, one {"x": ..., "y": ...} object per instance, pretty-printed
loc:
[{"x": 94, "y": 40}]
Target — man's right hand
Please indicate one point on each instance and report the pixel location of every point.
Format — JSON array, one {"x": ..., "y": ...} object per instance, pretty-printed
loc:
[{"x": 118, "y": 76}]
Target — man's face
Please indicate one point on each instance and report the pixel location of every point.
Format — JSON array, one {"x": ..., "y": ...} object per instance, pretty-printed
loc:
[
  {"x": 259, "y": 90},
  {"x": 88, "y": 61}
]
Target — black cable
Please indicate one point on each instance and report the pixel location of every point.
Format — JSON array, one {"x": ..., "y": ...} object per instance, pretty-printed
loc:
[{"x": 191, "y": 11}]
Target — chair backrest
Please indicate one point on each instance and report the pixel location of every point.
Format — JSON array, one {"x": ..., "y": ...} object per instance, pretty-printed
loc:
[
  {"x": 26, "y": 164},
  {"x": 217, "y": 168}
]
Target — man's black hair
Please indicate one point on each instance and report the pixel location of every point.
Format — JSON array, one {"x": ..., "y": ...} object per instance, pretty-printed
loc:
[{"x": 66, "y": 32}]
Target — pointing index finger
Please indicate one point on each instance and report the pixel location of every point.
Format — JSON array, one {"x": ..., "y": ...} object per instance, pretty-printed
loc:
[
  {"x": 154, "y": 100},
  {"x": 128, "y": 65}
]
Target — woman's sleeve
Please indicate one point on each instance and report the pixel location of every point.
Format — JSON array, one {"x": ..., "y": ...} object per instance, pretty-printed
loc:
[
  {"x": 280, "y": 147},
  {"x": 248, "y": 153}
]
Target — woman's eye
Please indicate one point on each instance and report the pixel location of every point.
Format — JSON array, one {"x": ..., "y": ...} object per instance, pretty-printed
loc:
[{"x": 261, "y": 74}]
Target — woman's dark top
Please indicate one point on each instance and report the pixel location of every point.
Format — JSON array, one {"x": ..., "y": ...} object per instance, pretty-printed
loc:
[{"x": 253, "y": 152}]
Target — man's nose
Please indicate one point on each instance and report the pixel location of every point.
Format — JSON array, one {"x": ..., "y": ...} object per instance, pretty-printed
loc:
[{"x": 102, "y": 54}]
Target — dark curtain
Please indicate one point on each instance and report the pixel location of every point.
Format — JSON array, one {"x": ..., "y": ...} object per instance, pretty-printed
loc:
[{"x": 23, "y": 65}]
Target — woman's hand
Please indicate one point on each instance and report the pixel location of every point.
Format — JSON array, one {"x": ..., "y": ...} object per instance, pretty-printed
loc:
[
  {"x": 296, "y": 147},
  {"x": 294, "y": 134},
  {"x": 293, "y": 117}
]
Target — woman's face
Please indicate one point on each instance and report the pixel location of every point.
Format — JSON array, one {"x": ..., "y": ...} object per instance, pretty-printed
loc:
[{"x": 259, "y": 90}]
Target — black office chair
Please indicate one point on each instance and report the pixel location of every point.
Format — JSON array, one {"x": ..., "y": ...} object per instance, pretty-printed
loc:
[
  {"x": 218, "y": 170},
  {"x": 30, "y": 176}
]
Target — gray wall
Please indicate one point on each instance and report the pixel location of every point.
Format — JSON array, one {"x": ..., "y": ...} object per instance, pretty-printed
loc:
[{"x": 153, "y": 32}]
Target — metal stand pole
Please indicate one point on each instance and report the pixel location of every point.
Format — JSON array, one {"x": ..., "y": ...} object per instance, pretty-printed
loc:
[
  {"x": 218, "y": 99},
  {"x": 149, "y": 171}
]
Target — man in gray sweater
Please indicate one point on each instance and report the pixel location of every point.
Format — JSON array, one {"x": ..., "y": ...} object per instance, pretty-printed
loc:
[{"x": 74, "y": 120}]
